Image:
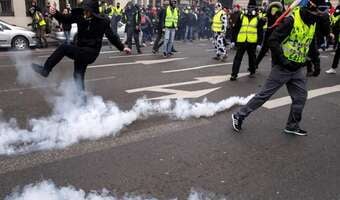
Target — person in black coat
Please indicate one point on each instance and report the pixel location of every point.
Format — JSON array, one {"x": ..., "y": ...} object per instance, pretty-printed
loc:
[
  {"x": 132, "y": 19},
  {"x": 91, "y": 30}
]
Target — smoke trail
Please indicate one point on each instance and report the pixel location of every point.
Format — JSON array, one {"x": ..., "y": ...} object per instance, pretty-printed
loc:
[
  {"x": 72, "y": 120},
  {"x": 48, "y": 190}
]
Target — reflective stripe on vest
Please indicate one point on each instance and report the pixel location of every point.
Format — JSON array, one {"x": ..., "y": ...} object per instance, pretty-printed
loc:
[
  {"x": 171, "y": 18},
  {"x": 248, "y": 31},
  {"x": 296, "y": 45},
  {"x": 41, "y": 21},
  {"x": 217, "y": 23}
]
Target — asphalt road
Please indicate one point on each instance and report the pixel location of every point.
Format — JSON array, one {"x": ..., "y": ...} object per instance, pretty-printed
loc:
[{"x": 164, "y": 157}]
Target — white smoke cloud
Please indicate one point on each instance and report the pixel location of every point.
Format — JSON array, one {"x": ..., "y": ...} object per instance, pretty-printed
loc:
[
  {"x": 72, "y": 120},
  {"x": 47, "y": 190}
]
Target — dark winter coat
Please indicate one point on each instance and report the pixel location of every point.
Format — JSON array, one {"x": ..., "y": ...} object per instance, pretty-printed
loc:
[{"x": 90, "y": 31}]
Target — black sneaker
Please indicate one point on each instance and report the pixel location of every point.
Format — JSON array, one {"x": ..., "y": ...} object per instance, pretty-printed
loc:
[
  {"x": 298, "y": 131},
  {"x": 40, "y": 70},
  {"x": 165, "y": 54},
  {"x": 216, "y": 58},
  {"x": 154, "y": 51},
  {"x": 237, "y": 122},
  {"x": 233, "y": 78}
]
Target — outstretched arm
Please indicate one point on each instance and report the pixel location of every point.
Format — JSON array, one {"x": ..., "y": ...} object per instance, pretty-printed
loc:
[{"x": 115, "y": 40}]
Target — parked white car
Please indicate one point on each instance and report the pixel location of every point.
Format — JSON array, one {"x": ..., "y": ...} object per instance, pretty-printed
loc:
[
  {"x": 59, "y": 33},
  {"x": 18, "y": 38}
]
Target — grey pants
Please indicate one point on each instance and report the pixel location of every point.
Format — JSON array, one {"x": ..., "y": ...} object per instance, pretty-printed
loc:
[{"x": 296, "y": 85}]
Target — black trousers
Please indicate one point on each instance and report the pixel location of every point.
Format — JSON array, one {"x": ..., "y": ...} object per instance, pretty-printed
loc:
[
  {"x": 241, "y": 49},
  {"x": 336, "y": 57},
  {"x": 135, "y": 34},
  {"x": 82, "y": 57},
  {"x": 156, "y": 44},
  {"x": 296, "y": 86},
  {"x": 262, "y": 52}
]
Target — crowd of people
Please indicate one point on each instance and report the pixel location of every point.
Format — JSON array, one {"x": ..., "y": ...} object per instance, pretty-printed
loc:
[{"x": 294, "y": 40}]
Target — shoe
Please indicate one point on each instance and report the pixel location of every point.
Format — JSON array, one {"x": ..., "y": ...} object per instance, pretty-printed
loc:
[
  {"x": 233, "y": 78},
  {"x": 40, "y": 70},
  {"x": 298, "y": 131},
  {"x": 216, "y": 58},
  {"x": 165, "y": 54},
  {"x": 251, "y": 75},
  {"x": 170, "y": 54},
  {"x": 154, "y": 51},
  {"x": 224, "y": 58},
  {"x": 331, "y": 71},
  {"x": 139, "y": 52},
  {"x": 174, "y": 51},
  {"x": 237, "y": 122}
]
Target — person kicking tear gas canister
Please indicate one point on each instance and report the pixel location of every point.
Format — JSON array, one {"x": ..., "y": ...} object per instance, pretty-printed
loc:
[
  {"x": 91, "y": 29},
  {"x": 289, "y": 44}
]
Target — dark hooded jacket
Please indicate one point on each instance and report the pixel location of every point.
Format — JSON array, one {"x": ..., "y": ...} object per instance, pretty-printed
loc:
[{"x": 91, "y": 31}]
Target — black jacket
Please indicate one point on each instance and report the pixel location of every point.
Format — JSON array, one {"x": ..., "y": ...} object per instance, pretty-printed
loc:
[
  {"x": 131, "y": 17},
  {"x": 91, "y": 32}
]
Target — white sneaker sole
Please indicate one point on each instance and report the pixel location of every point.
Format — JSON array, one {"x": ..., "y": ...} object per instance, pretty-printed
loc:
[
  {"x": 233, "y": 119},
  {"x": 293, "y": 132}
]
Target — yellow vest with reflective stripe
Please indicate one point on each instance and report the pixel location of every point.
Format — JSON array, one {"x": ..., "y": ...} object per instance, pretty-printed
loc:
[
  {"x": 296, "y": 45},
  {"x": 41, "y": 21},
  {"x": 171, "y": 17},
  {"x": 217, "y": 23},
  {"x": 248, "y": 31},
  {"x": 118, "y": 11}
]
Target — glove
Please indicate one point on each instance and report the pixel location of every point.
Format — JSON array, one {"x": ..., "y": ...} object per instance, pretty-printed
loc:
[{"x": 127, "y": 50}]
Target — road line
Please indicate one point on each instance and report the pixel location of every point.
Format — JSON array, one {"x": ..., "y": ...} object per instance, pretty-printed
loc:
[
  {"x": 275, "y": 103},
  {"x": 138, "y": 55},
  {"x": 51, "y": 85},
  {"x": 195, "y": 68},
  {"x": 144, "y": 62},
  {"x": 209, "y": 79},
  {"x": 102, "y": 52}
]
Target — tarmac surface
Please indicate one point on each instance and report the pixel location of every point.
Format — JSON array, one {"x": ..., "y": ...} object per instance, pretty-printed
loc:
[{"x": 166, "y": 157}]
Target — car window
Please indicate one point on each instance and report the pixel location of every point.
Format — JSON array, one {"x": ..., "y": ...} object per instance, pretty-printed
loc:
[{"x": 4, "y": 27}]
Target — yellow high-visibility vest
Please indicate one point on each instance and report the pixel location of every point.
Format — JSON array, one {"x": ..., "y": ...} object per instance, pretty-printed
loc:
[
  {"x": 217, "y": 23},
  {"x": 171, "y": 17},
  {"x": 296, "y": 46},
  {"x": 41, "y": 20},
  {"x": 248, "y": 31}
]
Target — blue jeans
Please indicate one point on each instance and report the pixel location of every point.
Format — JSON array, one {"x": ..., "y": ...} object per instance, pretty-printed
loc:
[
  {"x": 67, "y": 35},
  {"x": 169, "y": 37},
  {"x": 188, "y": 33}
]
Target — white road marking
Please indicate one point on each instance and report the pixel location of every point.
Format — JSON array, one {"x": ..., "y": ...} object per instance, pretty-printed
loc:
[
  {"x": 275, "y": 103},
  {"x": 185, "y": 94},
  {"x": 138, "y": 55},
  {"x": 144, "y": 62},
  {"x": 102, "y": 52},
  {"x": 51, "y": 85},
  {"x": 195, "y": 68}
]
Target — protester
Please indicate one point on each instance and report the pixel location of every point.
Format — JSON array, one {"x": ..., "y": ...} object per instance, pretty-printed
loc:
[
  {"x": 91, "y": 29},
  {"x": 289, "y": 44},
  {"x": 219, "y": 27},
  {"x": 170, "y": 25}
]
